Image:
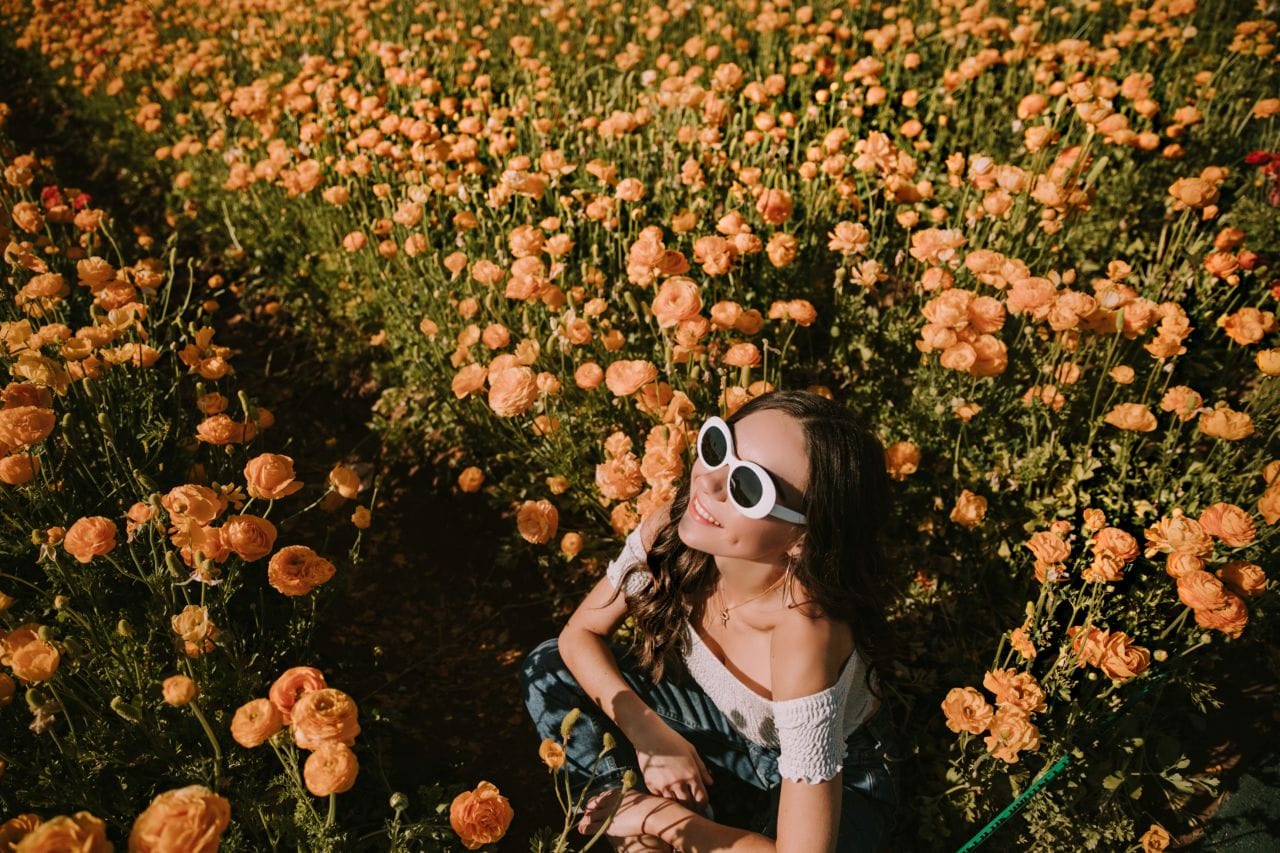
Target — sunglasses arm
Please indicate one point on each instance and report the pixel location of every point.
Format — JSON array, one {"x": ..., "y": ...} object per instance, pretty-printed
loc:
[{"x": 781, "y": 512}]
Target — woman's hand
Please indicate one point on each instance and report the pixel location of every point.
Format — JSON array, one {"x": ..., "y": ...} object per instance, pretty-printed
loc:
[
  {"x": 638, "y": 814},
  {"x": 672, "y": 768}
]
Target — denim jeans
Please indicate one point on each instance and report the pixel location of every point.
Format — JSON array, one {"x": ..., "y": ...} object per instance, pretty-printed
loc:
[{"x": 551, "y": 691}]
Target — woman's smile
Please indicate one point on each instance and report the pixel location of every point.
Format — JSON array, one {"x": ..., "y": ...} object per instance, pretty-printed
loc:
[{"x": 700, "y": 513}]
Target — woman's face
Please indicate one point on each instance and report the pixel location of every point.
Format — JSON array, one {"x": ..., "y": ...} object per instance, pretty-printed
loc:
[{"x": 711, "y": 524}]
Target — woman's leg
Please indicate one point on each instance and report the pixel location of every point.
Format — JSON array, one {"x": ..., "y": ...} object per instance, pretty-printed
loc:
[{"x": 551, "y": 691}]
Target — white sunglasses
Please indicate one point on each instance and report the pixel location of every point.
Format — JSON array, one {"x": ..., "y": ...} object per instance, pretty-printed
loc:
[{"x": 751, "y": 488}]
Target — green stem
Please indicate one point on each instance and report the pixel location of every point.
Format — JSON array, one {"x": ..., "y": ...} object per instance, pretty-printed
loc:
[{"x": 213, "y": 740}]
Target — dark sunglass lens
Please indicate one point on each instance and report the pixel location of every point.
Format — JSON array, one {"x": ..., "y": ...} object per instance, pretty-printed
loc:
[
  {"x": 714, "y": 447},
  {"x": 745, "y": 487}
]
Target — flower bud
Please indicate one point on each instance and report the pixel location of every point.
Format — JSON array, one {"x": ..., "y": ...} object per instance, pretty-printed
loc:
[
  {"x": 566, "y": 725},
  {"x": 124, "y": 629},
  {"x": 399, "y": 802},
  {"x": 125, "y": 710},
  {"x": 609, "y": 742},
  {"x": 628, "y": 780}
]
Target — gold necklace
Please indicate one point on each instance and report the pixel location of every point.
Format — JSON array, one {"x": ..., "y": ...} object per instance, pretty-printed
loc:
[{"x": 724, "y": 611}]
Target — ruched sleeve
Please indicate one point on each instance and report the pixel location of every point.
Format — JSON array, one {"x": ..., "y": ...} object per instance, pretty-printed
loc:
[
  {"x": 633, "y": 554},
  {"x": 810, "y": 736}
]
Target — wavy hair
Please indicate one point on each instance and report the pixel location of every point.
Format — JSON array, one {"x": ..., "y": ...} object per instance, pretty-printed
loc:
[{"x": 841, "y": 562}]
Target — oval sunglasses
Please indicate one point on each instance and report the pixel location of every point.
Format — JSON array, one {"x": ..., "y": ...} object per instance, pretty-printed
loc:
[{"x": 751, "y": 488}]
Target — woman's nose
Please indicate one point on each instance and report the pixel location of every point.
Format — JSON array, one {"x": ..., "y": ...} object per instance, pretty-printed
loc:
[{"x": 713, "y": 482}]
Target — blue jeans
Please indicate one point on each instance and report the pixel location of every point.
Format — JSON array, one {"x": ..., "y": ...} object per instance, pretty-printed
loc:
[{"x": 551, "y": 691}]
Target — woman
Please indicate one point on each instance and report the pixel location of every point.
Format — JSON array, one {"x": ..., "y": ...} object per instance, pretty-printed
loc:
[{"x": 762, "y": 583}]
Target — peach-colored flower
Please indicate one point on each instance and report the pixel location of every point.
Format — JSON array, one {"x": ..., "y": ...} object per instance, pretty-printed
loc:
[
  {"x": 626, "y": 377},
  {"x": 1155, "y": 840},
  {"x": 743, "y": 354},
  {"x": 296, "y": 570},
  {"x": 1182, "y": 401},
  {"x": 1269, "y": 503},
  {"x": 1268, "y": 361},
  {"x": 1201, "y": 591},
  {"x": 191, "y": 502},
  {"x": 1049, "y": 547},
  {"x": 1244, "y": 579},
  {"x": 620, "y": 478},
  {"x": 269, "y": 476},
  {"x": 481, "y": 816},
  {"x": 969, "y": 510},
  {"x": 1248, "y": 325},
  {"x": 588, "y": 376},
  {"x": 552, "y": 754},
  {"x": 255, "y": 722},
  {"x": 344, "y": 480},
  {"x": 178, "y": 690},
  {"x": 184, "y": 820},
  {"x": 1011, "y": 732},
  {"x": 1115, "y": 541},
  {"x": 571, "y": 545},
  {"x": 32, "y": 661},
  {"x": 221, "y": 430},
  {"x": 512, "y": 390},
  {"x": 1229, "y": 523},
  {"x": 330, "y": 769},
  {"x": 90, "y": 537},
  {"x": 249, "y": 536},
  {"x": 677, "y": 299},
  {"x": 1019, "y": 689},
  {"x": 195, "y": 630},
  {"x": 1225, "y": 423},
  {"x": 325, "y": 715},
  {"x": 470, "y": 479},
  {"x": 537, "y": 521},
  {"x": 82, "y": 833},
  {"x": 1230, "y": 617},
  {"x": 17, "y": 828},
  {"x": 849, "y": 238},
  {"x": 1120, "y": 659},
  {"x": 1180, "y": 563},
  {"x": 1177, "y": 532},
  {"x": 1088, "y": 643},
  {"x": 290, "y": 687},
  {"x": 1131, "y": 416},
  {"x": 774, "y": 206},
  {"x": 1020, "y": 642},
  {"x": 23, "y": 426},
  {"x": 967, "y": 710},
  {"x": 902, "y": 458},
  {"x": 469, "y": 379}
]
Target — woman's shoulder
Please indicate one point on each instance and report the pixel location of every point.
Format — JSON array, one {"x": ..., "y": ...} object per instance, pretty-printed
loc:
[{"x": 808, "y": 651}]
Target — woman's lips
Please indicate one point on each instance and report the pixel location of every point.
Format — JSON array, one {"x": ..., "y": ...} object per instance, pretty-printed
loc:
[{"x": 700, "y": 513}]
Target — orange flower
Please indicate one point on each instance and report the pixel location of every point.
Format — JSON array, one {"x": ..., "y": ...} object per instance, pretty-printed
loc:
[
  {"x": 82, "y": 832},
  {"x": 1120, "y": 659},
  {"x": 1019, "y": 689},
  {"x": 22, "y": 426},
  {"x": 588, "y": 376},
  {"x": 902, "y": 458},
  {"x": 90, "y": 537},
  {"x": 774, "y": 206},
  {"x": 249, "y": 536},
  {"x": 255, "y": 722},
  {"x": 1201, "y": 591},
  {"x": 221, "y": 430},
  {"x": 325, "y": 715},
  {"x": 195, "y": 630},
  {"x": 17, "y": 828},
  {"x": 1180, "y": 563},
  {"x": 199, "y": 504},
  {"x": 571, "y": 545},
  {"x": 331, "y": 769},
  {"x": 290, "y": 687},
  {"x": 537, "y": 521},
  {"x": 967, "y": 711},
  {"x": 481, "y": 816},
  {"x": 1115, "y": 541},
  {"x": 1177, "y": 533},
  {"x": 969, "y": 510},
  {"x": 1248, "y": 325},
  {"x": 1229, "y": 523},
  {"x": 677, "y": 299},
  {"x": 179, "y": 690},
  {"x": 470, "y": 479},
  {"x": 1225, "y": 423},
  {"x": 849, "y": 238},
  {"x": 469, "y": 380},
  {"x": 1182, "y": 401},
  {"x": 620, "y": 477},
  {"x": 1011, "y": 732},
  {"x": 742, "y": 355},
  {"x": 184, "y": 820},
  {"x": 625, "y": 377},
  {"x": 512, "y": 390},
  {"x": 33, "y": 661},
  {"x": 1230, "y": 617},
  {"x": 552, "y": 754},
  {"x": 269, "y": 476},
  {"x": 1155, "y": 840},
  {"x": 1244, "y": 579},
  {"x": 1049, "y": 547},
  {"x": 296, "y": 570},
  {"x": 1131, "y": 416}
]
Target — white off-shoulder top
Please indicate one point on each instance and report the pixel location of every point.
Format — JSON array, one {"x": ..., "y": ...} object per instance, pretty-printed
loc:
[{"x": 809, "y": 732}]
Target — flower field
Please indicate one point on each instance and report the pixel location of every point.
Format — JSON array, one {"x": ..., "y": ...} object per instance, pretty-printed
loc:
[{"x": 1037, "y": 245}]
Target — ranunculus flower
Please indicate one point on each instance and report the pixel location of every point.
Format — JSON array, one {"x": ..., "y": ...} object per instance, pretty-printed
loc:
[
  {"x": 1180, "y": 563},
  {"x": 195, "y": 629},
  {"x": 774, "y": 206},
  {"x": 1177, "y": 532},
  {"x": 902, "y": 458},
  {"x": 744, "y": 354},
  {"x": 269, "y": 476},
  {"x": 1201, "y": 591},
  {"x": 1012, "y": 687},
  {"x": 1155, "y": 840},
  {"x": 620, "y": 478},
  {"x": 22, "y": 426},
  {"x": 184, "y": 820},
  {"x": 19, "y": 469},
  {"x": 1121, "y": 659},
  {"x": 1088, "y": 644},
  {"x": 1244, "y": 579},
  {"x": 344, "y": 480},
  {"x": 1116, "y": 542},
  {"x": 249, "y": 536},
  {"x": 588, "y": 375},
  {"x": 967, "y": 710},
  {"x": 552, "y": 754},
  {"x": 296, "y": 570},
  {"x": 481, "y": 816},
  {"x": 468, "y": 380},
  {"x": 625, "y": 377},
  {"x": 178, "y": 690},
  {"x": 470, "y": 479},
  {"x": 81, "y": 833},
  {"x": 1012, "y": 732},
  {"x": 17, "y": 828},
  {"x": 1049, "y": 547},
  {"x": 197, "y": 503},
  {"x": 290, "y": 687},
  {"x": 222, "y": 430},
  {"x": 34, "y": 661},
  {"x": 255, "y": 722},
  {"x": 537, "y": 521},
  {"x": 90, "y": 537},
  {"x": 1131, "y": 416},
  {"x": 330, "y": 769},
  {"x": 1230, "y": 617},
  {"x": 1225, "y": 423},
  {"x": 677, "y": 299},
  {"x": 325, "y": 715},
  {"x": 969, "y": 510},
  {"x": 512, "y": 390},
  {"x": 1229, "y": 523}
]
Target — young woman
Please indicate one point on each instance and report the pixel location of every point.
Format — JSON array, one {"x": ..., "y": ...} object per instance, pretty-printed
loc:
[{"x": 758, "y": 599}]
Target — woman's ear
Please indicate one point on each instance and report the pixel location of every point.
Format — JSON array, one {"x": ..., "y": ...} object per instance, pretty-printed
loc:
[{"x": 797, "y": 548}]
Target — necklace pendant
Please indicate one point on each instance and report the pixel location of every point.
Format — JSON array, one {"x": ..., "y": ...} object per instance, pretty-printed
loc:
[{"x": 724, "y": 618}]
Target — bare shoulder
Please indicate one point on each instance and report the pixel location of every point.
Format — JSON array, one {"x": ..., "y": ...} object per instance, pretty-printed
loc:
[{"x": 807, "y": 652}]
